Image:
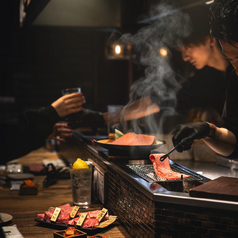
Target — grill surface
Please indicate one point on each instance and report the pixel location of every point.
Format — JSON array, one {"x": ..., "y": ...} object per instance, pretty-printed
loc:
[{"x": 147, "y": 172}]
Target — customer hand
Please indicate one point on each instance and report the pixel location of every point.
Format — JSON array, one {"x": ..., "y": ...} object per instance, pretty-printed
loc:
[
  {"x": 61, "y": 130},
  {"x": 69, "y": 104},
  {"x": 187, "y": 133}
]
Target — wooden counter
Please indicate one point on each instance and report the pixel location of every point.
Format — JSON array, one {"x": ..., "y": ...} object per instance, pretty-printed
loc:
[{"x": 24, "y": 209}]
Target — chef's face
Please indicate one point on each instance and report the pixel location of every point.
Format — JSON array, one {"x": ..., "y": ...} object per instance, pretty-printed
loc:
[
  {"x": 230, "y": 51},
  {"x": 197, "y": 54}
]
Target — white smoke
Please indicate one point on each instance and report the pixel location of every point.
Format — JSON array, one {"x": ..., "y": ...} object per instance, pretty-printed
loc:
[{"x": 168, "y": 25}]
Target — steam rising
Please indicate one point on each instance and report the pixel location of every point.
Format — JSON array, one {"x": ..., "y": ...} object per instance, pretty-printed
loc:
[{"x": 169, "y": 25}]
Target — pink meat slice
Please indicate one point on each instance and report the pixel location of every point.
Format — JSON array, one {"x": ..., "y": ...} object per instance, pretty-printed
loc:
[
  {"x": 64, "y": 215},
  {"x": 40, "y": 216},
  {"x": 90, "y": 222},
  {"x": 73, "y": 221},
  {"x": 163, "y": 170},
  {"x": 132, "y": 138},
  {"x": 94, "y": 214}
]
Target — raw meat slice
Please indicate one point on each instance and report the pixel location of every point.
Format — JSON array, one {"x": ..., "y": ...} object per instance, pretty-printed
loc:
[
  {"x": 163, "y": 170},
  {"x": 90, "y": 222},
  {"x": 73, "y": 221},
  {"x": 132, "y": 138},
  {"x": 40, "y": 216},
  {"x": 94, "y": 214},
  {"x": 48, "y": 215},
  {"x": 64, "y": 215}
]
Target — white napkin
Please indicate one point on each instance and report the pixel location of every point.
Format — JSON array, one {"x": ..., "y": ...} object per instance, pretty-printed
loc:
[{"x": 12, "y": 232}]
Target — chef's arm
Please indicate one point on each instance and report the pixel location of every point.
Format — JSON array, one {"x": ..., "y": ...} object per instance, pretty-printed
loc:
[
  {"x": 140, "y": 108},
  {"x": 221, "y": 140}
]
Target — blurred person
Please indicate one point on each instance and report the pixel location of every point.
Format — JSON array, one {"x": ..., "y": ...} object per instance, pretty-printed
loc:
[
  {"x": 30, "y": 129},
  {"x": 223, "y": 140},
  {"x": 204, "y": 90}
]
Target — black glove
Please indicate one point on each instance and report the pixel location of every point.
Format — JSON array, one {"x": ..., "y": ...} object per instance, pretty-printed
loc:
[{"x": 185, "y": 134}]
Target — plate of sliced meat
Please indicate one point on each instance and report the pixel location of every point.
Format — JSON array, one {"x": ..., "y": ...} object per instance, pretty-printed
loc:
[
  {"x": 64, "y": 219},
  {"x": 135, "y": 143}
]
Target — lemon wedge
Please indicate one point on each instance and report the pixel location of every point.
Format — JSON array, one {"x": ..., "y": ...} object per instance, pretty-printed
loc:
[
  {"x": 118, "y": 134},
  {"x": 80, "y": 164}
]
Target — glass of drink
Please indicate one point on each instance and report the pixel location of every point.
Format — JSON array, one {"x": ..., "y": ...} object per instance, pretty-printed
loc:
[
  {"x": 113, "y": 117},
  {"x": 81, "y": 183},
  {"x": 72, "y": 119},
  {"x": 71, "y": 90}
]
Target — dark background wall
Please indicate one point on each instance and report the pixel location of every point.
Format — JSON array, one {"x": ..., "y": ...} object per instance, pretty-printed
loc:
[
  {"x": 44, "y": 60},
  {"x": 38, "y": 61}
]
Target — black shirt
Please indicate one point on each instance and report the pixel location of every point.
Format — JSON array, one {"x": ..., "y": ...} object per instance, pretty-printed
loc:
[
  {"x": 26, "y": 133},
  {"x": 231, "y": 107},
  {"x": 206, "y": 89}
]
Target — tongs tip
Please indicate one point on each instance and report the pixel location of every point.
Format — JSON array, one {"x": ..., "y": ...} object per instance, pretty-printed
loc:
[{"x": 162, "y": 158}]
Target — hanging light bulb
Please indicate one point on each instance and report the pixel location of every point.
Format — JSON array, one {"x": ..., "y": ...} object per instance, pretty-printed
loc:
[
  {"x": 163, "y": 52},
  {"x": 118, "y": 49}
]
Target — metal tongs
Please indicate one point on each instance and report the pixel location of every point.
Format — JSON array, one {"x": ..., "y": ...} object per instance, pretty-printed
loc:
[
  {"x": 162, "y": 158},
  {"x": 184, "y": 141}
]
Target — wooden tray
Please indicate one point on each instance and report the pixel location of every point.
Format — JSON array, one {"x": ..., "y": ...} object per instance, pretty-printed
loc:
[{"x": 223, "y": 188}]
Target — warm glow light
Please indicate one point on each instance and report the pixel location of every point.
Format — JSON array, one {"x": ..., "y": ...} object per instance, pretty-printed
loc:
[
  {"x": 209, "y": 2},
  {"x": 118, "y": 49},
  {"x": 163, "y": 52}
]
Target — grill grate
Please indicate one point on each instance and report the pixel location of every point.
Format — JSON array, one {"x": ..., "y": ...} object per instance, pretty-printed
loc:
[{"x": 148, "y": 174}]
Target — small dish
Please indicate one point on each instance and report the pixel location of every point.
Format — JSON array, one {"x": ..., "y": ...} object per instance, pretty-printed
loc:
[
  {"x": 28, "y": 190},
  {"x": 5, "y": 218},
  {"x": 60, "y": 234}
]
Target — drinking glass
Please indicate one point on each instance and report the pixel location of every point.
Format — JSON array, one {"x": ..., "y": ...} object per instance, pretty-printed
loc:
[
  {"x": 72, "y": 119},
  {"x": 113, "y": 117},
  {"x": 71, "y": 90},
  {"x": 81, "y": 183}
]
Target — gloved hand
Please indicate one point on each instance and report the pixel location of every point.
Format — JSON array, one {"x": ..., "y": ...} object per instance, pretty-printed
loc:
[{"x": 185, "y": 134}]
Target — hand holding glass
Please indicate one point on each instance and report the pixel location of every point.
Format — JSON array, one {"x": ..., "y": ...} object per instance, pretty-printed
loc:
[{"x": 72, "y": 119}]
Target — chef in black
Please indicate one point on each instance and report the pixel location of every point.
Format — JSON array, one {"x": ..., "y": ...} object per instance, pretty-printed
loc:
[
  {"x": 223, "y": 140},
  {"x": 205, "y": 89}
]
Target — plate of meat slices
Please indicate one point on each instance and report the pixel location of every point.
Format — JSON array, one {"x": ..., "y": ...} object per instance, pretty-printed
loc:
[
  {"x": 64, "y": 219},
  {"x": 131, "y": 143}
]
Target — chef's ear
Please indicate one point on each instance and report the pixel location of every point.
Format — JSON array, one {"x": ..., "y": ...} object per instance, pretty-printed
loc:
[{"x": 212, "y": 41}]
